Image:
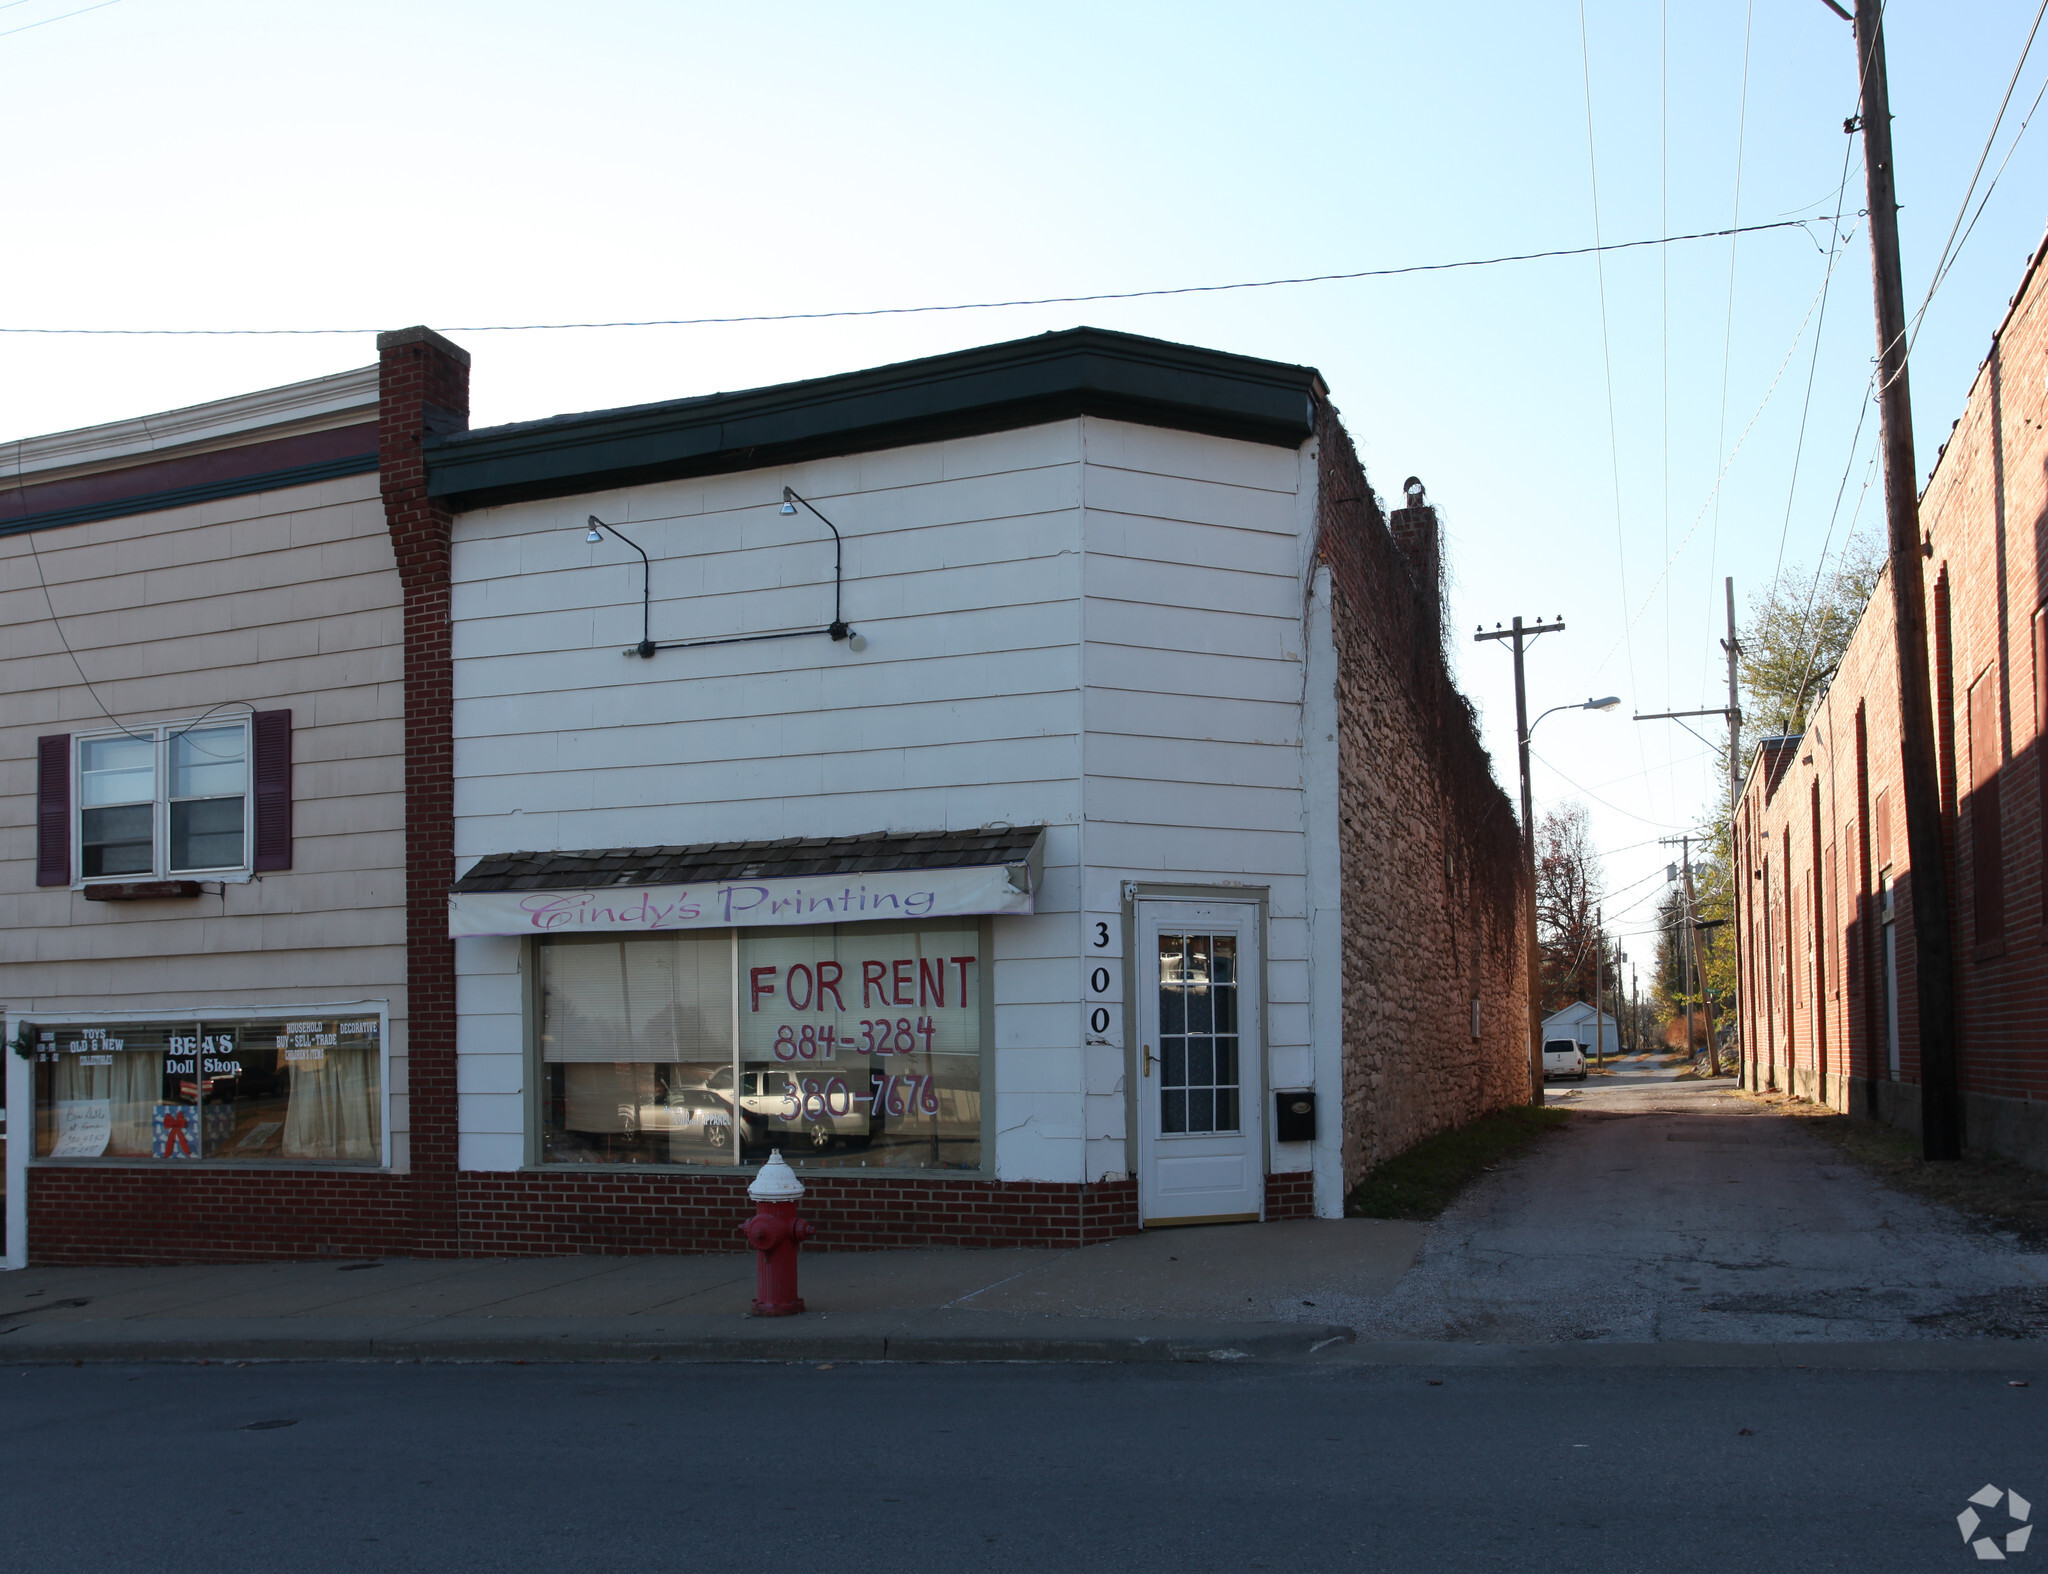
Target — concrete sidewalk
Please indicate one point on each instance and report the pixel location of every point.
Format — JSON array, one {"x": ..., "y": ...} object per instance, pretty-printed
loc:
[{"x": 1225, "y": 1293}]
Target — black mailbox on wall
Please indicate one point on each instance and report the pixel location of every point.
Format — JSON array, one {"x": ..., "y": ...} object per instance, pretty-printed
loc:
[{"x": 1294, "y": 1115}]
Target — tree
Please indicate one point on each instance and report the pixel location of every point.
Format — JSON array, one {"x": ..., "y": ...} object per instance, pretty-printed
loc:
[
  {"x": 1568, "y": 888},
  {"x": 1676, "y": 987},
  {"x": 1793, "y": 643},
  {"x": 1797, "y": 633}
]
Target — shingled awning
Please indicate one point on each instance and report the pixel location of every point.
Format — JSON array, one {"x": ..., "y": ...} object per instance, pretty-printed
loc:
[{"x": 797, "y": 880}]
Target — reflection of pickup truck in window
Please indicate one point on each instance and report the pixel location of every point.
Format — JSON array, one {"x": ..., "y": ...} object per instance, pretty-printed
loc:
[
  {"x": 820, "y": 1105},
  {"x": 689, "y": 1115}
]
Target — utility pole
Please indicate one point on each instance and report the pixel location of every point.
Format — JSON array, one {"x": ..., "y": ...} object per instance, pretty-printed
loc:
[
  {"x": 1521, "y": 635},
  {"x": 1734, "y": 648},
  {"x": 1732, "y": 714},
  {"x": 1689, "y": 958},
  {"x": 1699, "y": 976},
  {"x": 1940, "y": 1099},
  {"x": 1599, "y": 985}
]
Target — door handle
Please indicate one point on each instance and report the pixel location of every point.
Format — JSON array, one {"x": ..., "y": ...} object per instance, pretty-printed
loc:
[{"x": 1149, "y": 1058}]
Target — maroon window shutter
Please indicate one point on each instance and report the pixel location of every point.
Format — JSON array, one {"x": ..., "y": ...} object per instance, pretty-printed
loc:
[
  {"x": 53, "y": 810},
  {"x": 272, "y": 751}
]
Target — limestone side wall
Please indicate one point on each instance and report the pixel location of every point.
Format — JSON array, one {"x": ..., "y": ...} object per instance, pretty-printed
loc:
[{"x": 1428, "y": 848}]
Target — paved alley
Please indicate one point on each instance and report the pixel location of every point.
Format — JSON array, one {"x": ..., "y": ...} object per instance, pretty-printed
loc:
[{"x": 1679, "y": 1210}]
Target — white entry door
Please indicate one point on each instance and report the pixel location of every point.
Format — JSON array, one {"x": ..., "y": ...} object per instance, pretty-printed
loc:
[{"x": 1199, "y": 1050}]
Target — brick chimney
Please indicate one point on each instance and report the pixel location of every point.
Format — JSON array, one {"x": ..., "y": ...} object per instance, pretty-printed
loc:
[
  {"x": 1416, "y": 533},
  {"x": 423, "y": 390}
]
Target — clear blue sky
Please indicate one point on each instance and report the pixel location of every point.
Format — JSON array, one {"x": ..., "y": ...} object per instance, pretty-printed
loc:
[{"x": 213, "y": 163}]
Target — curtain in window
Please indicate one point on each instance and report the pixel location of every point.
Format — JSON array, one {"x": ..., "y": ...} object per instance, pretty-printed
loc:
[
  {"x": 662, "y": 999},
  {"x": 133, "y": 1085},
  {"x": 333, "y": 1108}
]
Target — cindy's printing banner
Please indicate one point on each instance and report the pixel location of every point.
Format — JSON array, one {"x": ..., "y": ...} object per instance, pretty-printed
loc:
[{"x": 826, "y": 899}]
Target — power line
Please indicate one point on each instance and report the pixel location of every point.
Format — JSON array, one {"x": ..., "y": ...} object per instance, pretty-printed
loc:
[
  {"x": 1728, "y": 329},
  {"x": 1951, "y": 249},
  {"x": 1664, "y": 305},
  {"x": 1950, "y": 246},
  {"x": 1728, "y": 464},
  {"x": 1799, "y": 448},
  {"x": 1666, "y": 824},
  {"x": 1802, "y": 225},
  {"x": 2011, "y": 149},
  {"x": 46, "y": 21},
  {"x": 1607, "y": 366}
]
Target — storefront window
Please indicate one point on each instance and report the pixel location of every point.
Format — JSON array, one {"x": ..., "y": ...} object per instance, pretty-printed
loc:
[
  {"x": 262, "y": 1088},
  {"x": 845, "y": 1046}
]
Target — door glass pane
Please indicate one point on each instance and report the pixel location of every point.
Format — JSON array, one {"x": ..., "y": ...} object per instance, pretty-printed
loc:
[
  {"x": 206, "y": 833},
  {"x": 1198, "y": 1020}
]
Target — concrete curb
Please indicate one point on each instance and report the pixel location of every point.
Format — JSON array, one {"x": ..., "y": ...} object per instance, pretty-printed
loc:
[
  {"x": 933, "y": 1337},
  {"x": 2012, "y": 1356}
]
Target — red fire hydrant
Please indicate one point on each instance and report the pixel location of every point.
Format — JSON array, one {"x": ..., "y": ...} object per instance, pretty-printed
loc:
[{"x": 775, "y": 1232}]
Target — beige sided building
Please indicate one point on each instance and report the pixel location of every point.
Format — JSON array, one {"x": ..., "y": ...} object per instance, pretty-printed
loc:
[{"x": 202, "y": 868}]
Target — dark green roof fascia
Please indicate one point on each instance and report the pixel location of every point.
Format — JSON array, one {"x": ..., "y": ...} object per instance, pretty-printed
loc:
[{"x": 1082, "y": 371}]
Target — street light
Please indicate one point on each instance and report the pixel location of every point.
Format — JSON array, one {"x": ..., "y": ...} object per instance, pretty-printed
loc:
[{"x": 1609, "y": 703}]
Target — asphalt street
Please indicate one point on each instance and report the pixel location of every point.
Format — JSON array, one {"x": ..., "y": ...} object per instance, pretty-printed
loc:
[{"x": 561, "y": 1469}]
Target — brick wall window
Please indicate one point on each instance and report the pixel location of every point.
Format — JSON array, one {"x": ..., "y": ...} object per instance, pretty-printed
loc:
[{"x": 204, "y": 798}]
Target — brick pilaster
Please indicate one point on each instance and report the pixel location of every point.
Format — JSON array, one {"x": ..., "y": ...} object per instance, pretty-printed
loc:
[{"x": 424, "y": 389}]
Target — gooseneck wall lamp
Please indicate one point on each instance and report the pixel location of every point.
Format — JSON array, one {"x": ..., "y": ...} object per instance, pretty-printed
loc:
[
  {"x": 837, "y": 629},
  {"x": 646, "y": 647}
]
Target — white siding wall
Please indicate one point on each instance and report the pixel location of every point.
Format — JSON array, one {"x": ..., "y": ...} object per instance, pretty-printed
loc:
[
  {"x": 962, "y": 572},
  {"x": 284, "y": 599},
  {"x": 1091, "y": 624},
  {"x": 1196, "y": 592}
]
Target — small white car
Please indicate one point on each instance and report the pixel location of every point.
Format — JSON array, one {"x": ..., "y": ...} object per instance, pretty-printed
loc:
[{"x": 1564, "y": 1057}]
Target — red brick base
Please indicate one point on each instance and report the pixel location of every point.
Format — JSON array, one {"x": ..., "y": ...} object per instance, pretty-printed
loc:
[
  {"x": 155, "y": 1216},
  {"x": 552, "y": 1213},
  {"x": 158, "y": 1215},
  {"x": 1291, "y": 1196}
]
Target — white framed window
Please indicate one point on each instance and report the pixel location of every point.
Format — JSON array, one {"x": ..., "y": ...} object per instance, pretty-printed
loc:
[{"x": 163, "y": 802}]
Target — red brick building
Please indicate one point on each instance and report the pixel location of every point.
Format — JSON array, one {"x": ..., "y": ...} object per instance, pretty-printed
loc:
[{"x": 1829, "y": 989}]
